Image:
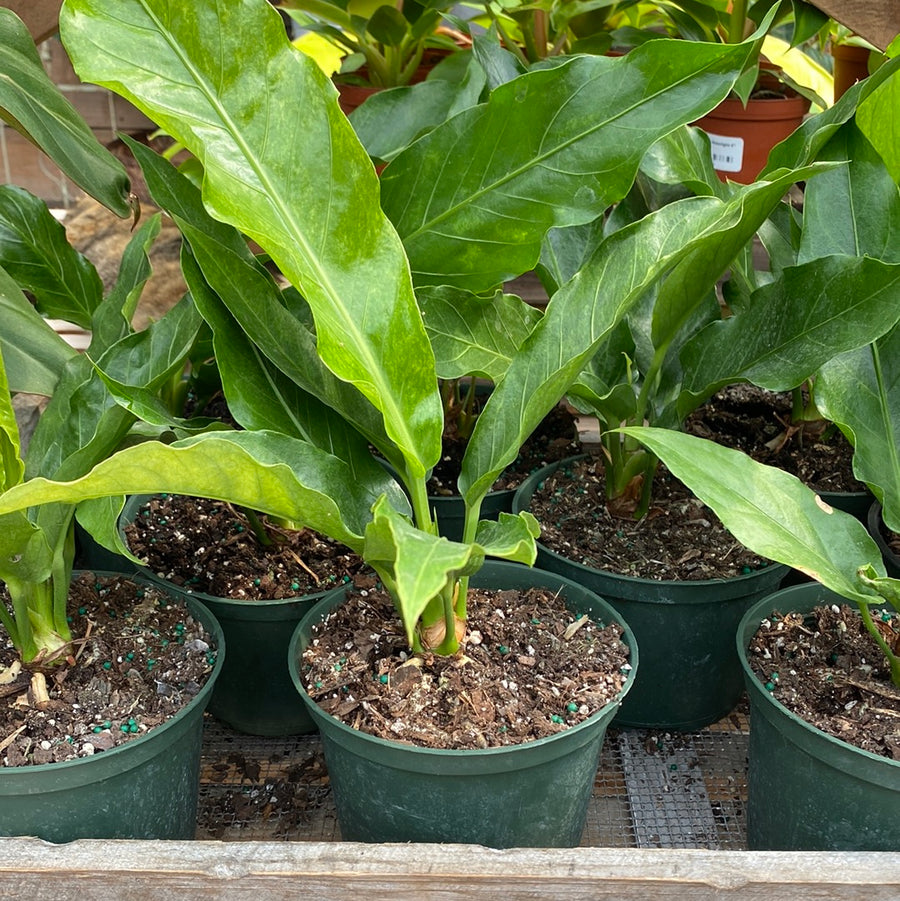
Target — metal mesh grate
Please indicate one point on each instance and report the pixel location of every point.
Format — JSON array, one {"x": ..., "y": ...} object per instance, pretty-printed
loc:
[{"x": 652, "y": 790}]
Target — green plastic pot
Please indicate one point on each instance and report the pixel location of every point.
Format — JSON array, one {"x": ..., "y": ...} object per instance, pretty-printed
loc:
[
  {"x": 808, "y": 791},
  {"x": 144, "y": 789},
  {"x": 690, "y": 673},
  {"x": 254, "y": 693},
  {"x": 529, "y": 795}
]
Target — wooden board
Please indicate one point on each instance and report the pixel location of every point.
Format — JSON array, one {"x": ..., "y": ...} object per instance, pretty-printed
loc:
[
  {"x": 878, "y": 21},
  {"x": 41, "y": 17},
  {"x": 165, "y": 871}
]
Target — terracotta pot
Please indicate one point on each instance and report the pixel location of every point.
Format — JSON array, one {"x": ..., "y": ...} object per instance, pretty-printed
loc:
[
  {"x": 742, "y": 137},
  {"x": 350, "y": 96},
  {"x": 851, "y": 64}
]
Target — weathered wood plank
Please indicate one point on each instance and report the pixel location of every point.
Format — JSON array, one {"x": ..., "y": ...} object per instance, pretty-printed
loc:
[
  {"x": 310, "y": 871},
  {"x": 878, "y": 21}
]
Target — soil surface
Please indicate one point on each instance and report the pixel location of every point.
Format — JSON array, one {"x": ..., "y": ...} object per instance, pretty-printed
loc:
[
  {"x": 137, "y": 658},
  {"x": 210, "y": 546},
  {"x": 529, "y": 669},
  {"x": 554, "y": 439},
  {"x": 827, "y": 669},
  {"x": 758, "y": 422},
  {"x": 679, "y": 538}
]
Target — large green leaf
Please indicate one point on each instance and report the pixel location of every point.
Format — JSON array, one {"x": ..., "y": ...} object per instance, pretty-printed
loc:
[
  {"x": 805, "y": 143},
  {"x": 793, "y": 326},
  {"x": 12, "y": 466},
  {"x": 260, "y": 396},
  {"x": 111, "y": 320},
  {"x": 853, "y": 209},
  {"x": 583, "y": 313},
  {"x": 283, "y": 165},
  {"x": 860, "y": 391},
  {"x": 33, "y": 105},
  {"x": 474, "y": 198},
  {"x": 34, "y": 250},
  {"x": 879, "y": 119},
  {"x": 264, "y": 471},
  {"x": 257, "y": 305},
  {"x": 417, "y": 565},
  {"x": 34, "y": 355},
  {"x": 473, "y": 335},
  {"x": 769, "y": 511}
]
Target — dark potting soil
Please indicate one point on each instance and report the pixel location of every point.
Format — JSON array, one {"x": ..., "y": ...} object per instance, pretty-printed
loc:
[
  {"x": 758, "y": 422},
  {"x": 210, "y": 546},
  {"x": 528, "y": 669},
  {"x": 827, "y": 669},
  {"x": 679, "y": 538},
  {"x": 137, "y": 658},
  {"x": 555, "y": 438}
]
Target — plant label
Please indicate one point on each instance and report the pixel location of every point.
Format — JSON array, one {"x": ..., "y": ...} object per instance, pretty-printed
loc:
[{"x": 727, "y": 152}]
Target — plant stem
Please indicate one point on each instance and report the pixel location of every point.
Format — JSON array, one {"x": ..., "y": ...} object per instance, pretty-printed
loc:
[{"x": 892, "y": 659}]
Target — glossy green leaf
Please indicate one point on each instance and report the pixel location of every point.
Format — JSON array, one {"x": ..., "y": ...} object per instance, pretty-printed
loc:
[
  {"x": 474, "y": 335},
  {"x": 768, "y": 510},
  {"x": 793, "y": 326},
  {"x": 419, "y": 566},
  {"x": 805, "y": 143},
  {"x": 510, "y": 537},
  {"x": 264, "y": 471},
  {"x": 566, "y": 250},
  {"x": 697, "y": 273},
  {"x": 10, "y": 459},
  {"x": 33, "y": 354},
  {"x": 34, "y": 250},
  {"x": 229, "y": 86},
  {"x": 257, "y": 305},
  {"x": 853, "y": 209},
  {"x": 572, "y": 136},
  {"x": 389, "y": 121},
  {"x": 578, "y": 318},
  {"x": 879, "y": 119},
  {"x": 34, "y": 106},
  {"x": 111, "y": 321},
  {"x": 860, "y": 391},
  {"x": 683, "y": 157}
]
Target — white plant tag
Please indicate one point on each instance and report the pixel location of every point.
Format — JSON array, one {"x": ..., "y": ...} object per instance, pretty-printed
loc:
[{"x": 727, "y": 152}]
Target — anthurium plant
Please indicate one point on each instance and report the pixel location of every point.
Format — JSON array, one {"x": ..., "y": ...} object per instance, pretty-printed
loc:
[
  {"x": 82, "y": 423},
  {"x": 777, "y": 326},
  {"x": 348, "y": 356}
]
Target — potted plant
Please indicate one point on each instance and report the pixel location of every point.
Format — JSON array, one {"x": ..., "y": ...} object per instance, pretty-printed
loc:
[
  {"x": 665, "y": 363},
  {"x": 381, "y": 45},
  {"x": 350, "y": 333},
  {"x": 75, "y": 763},
  {"x": 808, "y": 789},
  {"x": 767, "y": 105}
]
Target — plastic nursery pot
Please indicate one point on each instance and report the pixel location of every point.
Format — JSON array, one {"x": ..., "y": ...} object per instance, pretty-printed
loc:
[
  {"x": 534, "y": 794},
  {"x": 807, "y": 790},
  {"x": 144, "y": 789},
  {"x": 690, "y": 673},
  {"x": 254, "y": 693},
  {"x": 875, "y": 524},
  {"x": 742, "y": 137}
]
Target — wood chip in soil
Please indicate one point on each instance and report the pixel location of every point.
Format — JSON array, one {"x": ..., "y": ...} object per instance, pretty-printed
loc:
[
  {"x": 529, "y": 669},
  {"x": 210, "y": 546},
  {"x": 136, "y": 659},
  {"x": 827, "y": 669}
]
